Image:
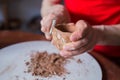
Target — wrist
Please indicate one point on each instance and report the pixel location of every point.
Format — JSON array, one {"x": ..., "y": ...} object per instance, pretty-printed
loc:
[{"x": 99, "y": 31}]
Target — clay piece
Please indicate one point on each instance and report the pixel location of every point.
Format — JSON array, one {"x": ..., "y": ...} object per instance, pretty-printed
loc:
[{"x": 61, "y": 35}]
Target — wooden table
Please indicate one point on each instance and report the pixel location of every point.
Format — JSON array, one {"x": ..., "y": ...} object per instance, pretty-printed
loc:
[{"x": 111, "y": 71}]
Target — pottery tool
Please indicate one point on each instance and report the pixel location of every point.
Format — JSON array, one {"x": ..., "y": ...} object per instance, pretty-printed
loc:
[{"x": 53, "y": 25}]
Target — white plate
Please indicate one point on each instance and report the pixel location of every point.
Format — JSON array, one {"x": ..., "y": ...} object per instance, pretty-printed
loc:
[{"x": 13, "y": 58}]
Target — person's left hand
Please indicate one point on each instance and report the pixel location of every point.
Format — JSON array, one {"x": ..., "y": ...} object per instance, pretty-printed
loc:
[{"x": 84, "y": 38}]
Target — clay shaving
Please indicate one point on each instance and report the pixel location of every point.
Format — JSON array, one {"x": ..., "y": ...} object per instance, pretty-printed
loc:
[
  {"x": 46, "y": 65},
  {"x": 79, "y": 61}
]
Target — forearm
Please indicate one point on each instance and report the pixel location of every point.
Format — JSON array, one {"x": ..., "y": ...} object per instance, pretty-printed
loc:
[
  {"x": 110, "y": 34},
  {"x": 46, "y": 5}
]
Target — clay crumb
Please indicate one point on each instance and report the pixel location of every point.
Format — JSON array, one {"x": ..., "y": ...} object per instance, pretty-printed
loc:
[
  {"x": 79, "y": 61},
  {"x": 27, "y": 63},
  {"x": 64, "y": 78},
  {"x": 46, "y": 65},
  {"x": 68, "y": 72}
]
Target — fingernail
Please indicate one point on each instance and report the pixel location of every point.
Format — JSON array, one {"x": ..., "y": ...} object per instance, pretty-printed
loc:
[{"x": 69, "y": 47}]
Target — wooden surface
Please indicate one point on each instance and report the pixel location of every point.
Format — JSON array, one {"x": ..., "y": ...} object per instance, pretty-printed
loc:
[
  {"x": 12, "y": 37},
  {"x": 110, "y": 70}
]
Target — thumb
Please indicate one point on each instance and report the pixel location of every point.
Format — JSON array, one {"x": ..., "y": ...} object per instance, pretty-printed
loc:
[
  {"x": 80, "y": 27},
  {"x": 75, "y": 36}
]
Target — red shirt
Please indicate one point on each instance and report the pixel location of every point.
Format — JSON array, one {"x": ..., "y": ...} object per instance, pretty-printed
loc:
[{"x": 97, "y": 12}]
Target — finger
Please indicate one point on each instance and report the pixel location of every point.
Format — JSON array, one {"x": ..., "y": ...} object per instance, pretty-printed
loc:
[
  {"x": 80, "y": 43},
  {"x": 75, "y": 45},
  {"x": 46, "y": 23},
  {"x": 68, "y": 54},
  {"x": 88, "y": 46},
  {"x": 76, "y": 35},
  {"x": 70, "y": 24},
  {"x": 48, "y": 36},
  {"x": 81, "y": 30},
  {"x": 65, "y": 54}
]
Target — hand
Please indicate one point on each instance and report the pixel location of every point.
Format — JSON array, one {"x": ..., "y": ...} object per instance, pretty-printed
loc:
[
  {"x": 84, "y": 38},
  {"x": 57, "y": 12}
]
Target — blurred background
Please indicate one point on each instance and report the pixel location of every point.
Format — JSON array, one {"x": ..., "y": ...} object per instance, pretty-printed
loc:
[{"x": 23, "y": 15}]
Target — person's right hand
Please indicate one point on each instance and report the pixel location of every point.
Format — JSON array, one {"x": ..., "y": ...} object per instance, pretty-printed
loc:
[{"x": 57, "y": 12}]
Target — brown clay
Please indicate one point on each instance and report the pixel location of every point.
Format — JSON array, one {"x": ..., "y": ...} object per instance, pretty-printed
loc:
[
  {"x": 46, "y": 65},
  {"x": 61, "y": 35}
]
